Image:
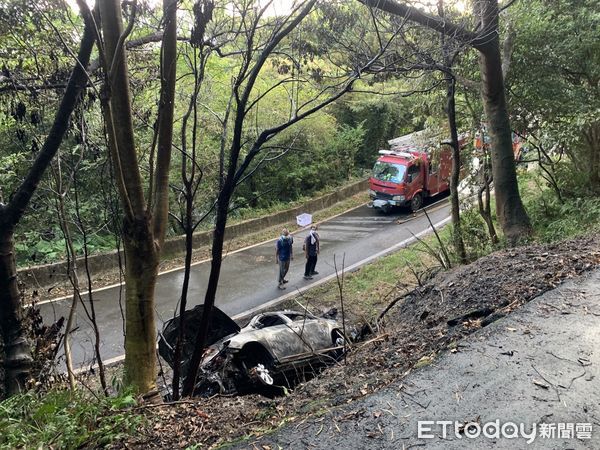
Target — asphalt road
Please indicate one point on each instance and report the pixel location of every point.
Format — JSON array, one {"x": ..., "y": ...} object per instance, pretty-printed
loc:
[{"x": 249, "y": 276}]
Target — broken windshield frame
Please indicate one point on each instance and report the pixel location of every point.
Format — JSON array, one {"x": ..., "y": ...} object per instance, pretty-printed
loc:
[{"x": 385, "y": 171}]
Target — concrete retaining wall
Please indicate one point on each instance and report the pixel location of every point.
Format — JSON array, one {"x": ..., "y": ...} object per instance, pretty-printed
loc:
[{"x": 49, "y": 274}]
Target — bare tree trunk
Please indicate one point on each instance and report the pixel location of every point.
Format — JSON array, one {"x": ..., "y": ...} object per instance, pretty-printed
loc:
[
  {"x": 60, "y": 194},
  {"x": 548, "y": 172},
  {"x": 168, "y": 66},
  {"x": 91, "y": 312},
  {"x": 457, "y": 237},
  {"x": 141, "y": 257},
  {"x": 213, "y": 280},
  {"x": 141, "y": 269},
  {"x": 485, "y": 209},
  {"x": 17, "y": 358},
  {"x": 509, "y": 207},
  {"x": 189, "y": 241},
  {"x": 191, "y": 179},
  {"x": 74, "y": 279},
  {"x": 17, "y": 354},
  {"x": 591, "y": 136},
  {"x": 144, "y": 226},
  {"x": 69, "y": 326}
]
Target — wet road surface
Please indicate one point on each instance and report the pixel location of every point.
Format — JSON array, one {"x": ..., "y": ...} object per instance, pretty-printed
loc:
[{"x": 249, "y": 276}]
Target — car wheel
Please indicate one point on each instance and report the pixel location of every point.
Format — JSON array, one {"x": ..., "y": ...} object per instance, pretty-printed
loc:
[
  {"x": 416, "y": 202},
  {"x": 262, "y": 375},
  {"x": 258, "y": 363}
]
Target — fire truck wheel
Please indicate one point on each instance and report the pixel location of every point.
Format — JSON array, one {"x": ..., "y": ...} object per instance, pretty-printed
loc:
[{"x": 416, "y": 202}]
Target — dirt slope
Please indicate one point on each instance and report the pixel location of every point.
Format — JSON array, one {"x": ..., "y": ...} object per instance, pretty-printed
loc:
[{"x": 528, "y": 381}]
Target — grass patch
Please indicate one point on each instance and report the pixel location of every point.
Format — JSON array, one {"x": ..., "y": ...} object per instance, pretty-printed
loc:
[
  {"x": 554, "y": 220},
  {"x": 424, "y": 362},
  {"x": 65, "y": 419}
]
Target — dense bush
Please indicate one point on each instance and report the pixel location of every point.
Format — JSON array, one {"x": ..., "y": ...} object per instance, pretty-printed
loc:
[
  {"x": 555, "y": 220},
  {"x": 65, "y": 419},
  {"x": 475, "y": 235}
]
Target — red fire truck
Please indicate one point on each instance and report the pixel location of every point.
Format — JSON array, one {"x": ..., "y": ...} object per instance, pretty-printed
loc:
[{"x": 409, "y": 172}]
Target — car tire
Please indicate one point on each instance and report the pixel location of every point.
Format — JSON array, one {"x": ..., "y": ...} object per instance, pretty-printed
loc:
[
  {"x": 262, "y": 375},
  {"x": 416, "y": 202},
  {"x": 258, "y": 365}
]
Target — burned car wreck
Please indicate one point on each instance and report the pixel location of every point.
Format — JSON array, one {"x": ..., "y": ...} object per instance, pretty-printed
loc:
[{"x": 274, "y": 348}]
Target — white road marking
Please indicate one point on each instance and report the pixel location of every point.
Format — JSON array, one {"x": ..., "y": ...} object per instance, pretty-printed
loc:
[{"x": 346, "y": 228}]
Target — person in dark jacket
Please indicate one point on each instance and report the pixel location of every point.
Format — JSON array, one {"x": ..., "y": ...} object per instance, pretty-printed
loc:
[
  {"x": 311, "y": 251},
  {"x": 283, "y": 255}
]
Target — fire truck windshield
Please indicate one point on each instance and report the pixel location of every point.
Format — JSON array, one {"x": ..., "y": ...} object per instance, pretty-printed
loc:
[{"x": 384, "y": 171}]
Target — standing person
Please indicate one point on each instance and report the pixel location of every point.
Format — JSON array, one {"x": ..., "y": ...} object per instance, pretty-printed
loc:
[
  {"x": 284, "y": 254},
  {"x": 311, "y": 249}
]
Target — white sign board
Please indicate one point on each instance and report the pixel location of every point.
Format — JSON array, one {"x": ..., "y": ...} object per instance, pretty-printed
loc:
[{"x": 304, "y": 220}]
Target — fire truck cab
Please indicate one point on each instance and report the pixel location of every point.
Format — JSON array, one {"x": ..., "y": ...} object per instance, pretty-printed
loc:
[{"x": 406, "y": 175}]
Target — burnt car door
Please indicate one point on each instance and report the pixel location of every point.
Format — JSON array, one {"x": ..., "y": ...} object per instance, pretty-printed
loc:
[
  {"x": 311, "y": 330},
  {"x": 279, "y": 336}
]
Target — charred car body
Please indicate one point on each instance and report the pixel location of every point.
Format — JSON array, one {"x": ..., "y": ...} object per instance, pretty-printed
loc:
[{"x": 270, "y": 348}]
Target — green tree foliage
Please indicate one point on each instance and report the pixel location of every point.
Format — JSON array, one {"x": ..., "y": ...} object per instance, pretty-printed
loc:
[
  {"x": 381, "y": 118},
  {"x": 36, "y": 41},
  {"x": 319, "y": 153},
  {"x": 554, "y": 82},
  {"x": 36, "y": 62}
]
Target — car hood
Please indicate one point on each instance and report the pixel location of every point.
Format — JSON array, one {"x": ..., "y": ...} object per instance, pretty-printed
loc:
[{"x": 221, "y": 325}]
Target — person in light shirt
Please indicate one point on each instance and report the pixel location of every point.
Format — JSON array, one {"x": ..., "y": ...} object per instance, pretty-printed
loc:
[{"x": 311, "y": 249}]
